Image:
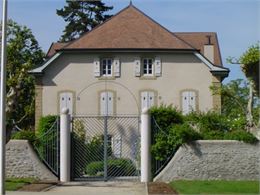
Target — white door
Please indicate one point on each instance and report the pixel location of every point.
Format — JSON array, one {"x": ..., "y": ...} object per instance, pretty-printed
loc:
[
  {"x": 147, "y": 99},
  {"x": 188, "y": 102},
  {"x": 66, "y": 101},
  {"x": 106, "y": 103}
]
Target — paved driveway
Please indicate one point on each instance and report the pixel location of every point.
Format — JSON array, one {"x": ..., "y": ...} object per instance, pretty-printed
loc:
[{"x": 92, "y": 188}]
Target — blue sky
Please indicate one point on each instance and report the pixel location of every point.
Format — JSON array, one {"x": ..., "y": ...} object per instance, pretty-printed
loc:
[{"x": 237, "y": 22}]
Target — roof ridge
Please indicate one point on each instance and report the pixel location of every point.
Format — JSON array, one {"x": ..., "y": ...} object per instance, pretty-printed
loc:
[{"x": 195, "y": 32}]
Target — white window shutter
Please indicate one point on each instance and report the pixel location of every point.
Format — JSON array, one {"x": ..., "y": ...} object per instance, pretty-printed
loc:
[
  {"x": 150, "y": 99},
  {"x": 137, "y": 64},
  {"x": 116, "y": 64},
  {"x": 66, "y": 101},
  {"x": 158, "y": 66},
  {"x": 96, "y": 67},
  {"x": 63, "y": 99}
]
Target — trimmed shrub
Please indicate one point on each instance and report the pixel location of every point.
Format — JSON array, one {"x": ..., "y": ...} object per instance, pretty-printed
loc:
[
  {"x": 45, "y": 123},
  {"x": 212, "y": 121},
  {"x": 241, "y": 135},
  {"x": 166, "y": 116},
  {"x": 116, "y": 167},
  {"x": 25, "y": 134},
  {"x": 167, "y": 144}
]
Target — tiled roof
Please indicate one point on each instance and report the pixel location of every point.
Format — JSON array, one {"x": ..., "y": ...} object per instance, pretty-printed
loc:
[
  {"x": 129, "y": 29},
  {"x": 199, "y": 39},
  {"x": 54, "y": 47},
  {"x": 132, "y": 29}
]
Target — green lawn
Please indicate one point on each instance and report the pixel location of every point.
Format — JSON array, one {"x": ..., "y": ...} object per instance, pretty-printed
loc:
[
  {"x": 13, "y": 184},
  {"x": 216, "y": 187}
]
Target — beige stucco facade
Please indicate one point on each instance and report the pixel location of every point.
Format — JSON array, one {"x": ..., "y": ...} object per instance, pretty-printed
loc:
[{"x": 75, "y": 73}]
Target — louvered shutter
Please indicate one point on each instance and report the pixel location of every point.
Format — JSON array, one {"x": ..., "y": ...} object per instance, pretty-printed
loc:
[
  {"x": 97, "y": 67},
  {"x": 66, "y": 101},
  {"x": 150, "y": 99},
  {"x": 137, "y": 64},
  {"x": 158, "y": 66},
  {"x": 144, "y": 100},
  {"x": 116, "y": 64}
]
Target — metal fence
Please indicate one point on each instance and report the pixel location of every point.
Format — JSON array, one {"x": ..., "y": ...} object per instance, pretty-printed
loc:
[
  {"x": 105, "y": 147},
  {"x": 158, "y": 165},
  {"x": 47, "y": 147}
]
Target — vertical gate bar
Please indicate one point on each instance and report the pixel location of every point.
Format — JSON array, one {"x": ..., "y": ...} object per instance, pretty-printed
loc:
[
  {"x": 105, "y": 147},
  {"x": 57, "y": 147}
]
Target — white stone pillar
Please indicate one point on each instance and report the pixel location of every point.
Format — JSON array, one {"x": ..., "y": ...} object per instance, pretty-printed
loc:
[
  {"x": 145, "y": 146},
  {"x": 65, "y": 145}
]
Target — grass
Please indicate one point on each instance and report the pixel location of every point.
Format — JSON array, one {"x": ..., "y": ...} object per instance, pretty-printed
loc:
[
  {"x": 215, "y": 187},
  {"x": 13, "y": 184}
]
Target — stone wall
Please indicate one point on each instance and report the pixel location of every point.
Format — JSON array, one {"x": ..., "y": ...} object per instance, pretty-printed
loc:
[
  {"x": 22, "y": 161},
  {"x": 213, "y": 160}
]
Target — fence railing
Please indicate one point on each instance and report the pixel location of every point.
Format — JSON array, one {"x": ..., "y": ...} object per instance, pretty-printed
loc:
[
  {"x": 47, "y": 147},
  {"x": 105, "y": 147},
  {"x": 158, "y": 165}
]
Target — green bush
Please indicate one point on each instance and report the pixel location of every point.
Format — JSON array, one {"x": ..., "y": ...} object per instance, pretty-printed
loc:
[
  {"x": 166, "y": 144},
  {"x": 212, "y": 121},
  {"x": 166, "y": 116},
  {"x": 176, "y": 129},
  {"x": 241, "y": 135},
  {"x": 45, "y": 123},
  {"x": 116, "y": 167},
  {"x": 25, "y": 134},
  {"x": 47, "y": 142}
]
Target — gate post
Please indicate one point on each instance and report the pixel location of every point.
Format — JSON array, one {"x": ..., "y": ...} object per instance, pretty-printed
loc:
[
  {"x": 65, "y": 145},
  {"x": 145, "y": 145}
]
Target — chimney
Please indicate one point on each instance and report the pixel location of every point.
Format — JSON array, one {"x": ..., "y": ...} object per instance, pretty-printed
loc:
[{"x": 209, "y": 50}]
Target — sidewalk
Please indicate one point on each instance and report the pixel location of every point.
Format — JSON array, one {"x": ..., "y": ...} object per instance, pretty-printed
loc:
[{"x": 92, "y": 188}]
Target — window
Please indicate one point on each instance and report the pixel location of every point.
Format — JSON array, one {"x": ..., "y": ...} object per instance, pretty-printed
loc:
[
  {"x": 148, "y": 67},
  {"x": 147, "y": 99},
  {"x": 188, "y": 101},
  {"x": 106, "y": 103},
  {"x": 66, "y": 101},
  {"x": 106, "y": 67}
]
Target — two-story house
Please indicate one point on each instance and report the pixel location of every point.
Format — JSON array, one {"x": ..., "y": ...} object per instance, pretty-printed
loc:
[{"x": 127, "y": 63}]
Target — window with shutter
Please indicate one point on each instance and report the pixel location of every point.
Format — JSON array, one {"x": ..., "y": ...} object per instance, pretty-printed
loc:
[
  {"x": 66, "y": 101},
  {"x": 148, "y": 67},
  {"x": 188, "y": 101},
  {"x": 106, "y": 103},
  {"x": 147, "y": 99}
]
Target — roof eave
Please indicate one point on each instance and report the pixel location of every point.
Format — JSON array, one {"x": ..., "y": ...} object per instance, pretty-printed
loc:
[
  {"x": 122, "y": 50},
  {"x": 41, "y": 68}
]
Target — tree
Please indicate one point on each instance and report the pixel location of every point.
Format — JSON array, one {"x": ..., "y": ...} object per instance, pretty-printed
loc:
[
  {"x": 249, "y": 62},
  {"x": 23, "y": 53},
  {"x": 81, "y": 17},
  {"x": 235, "y": 95}
]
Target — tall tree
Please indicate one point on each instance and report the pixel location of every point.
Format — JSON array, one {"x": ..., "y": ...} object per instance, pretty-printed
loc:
[
  {"x": 249, "y": 62},
  {"x": 81, "y": 17},
  {"x": 23, "y": 53}
]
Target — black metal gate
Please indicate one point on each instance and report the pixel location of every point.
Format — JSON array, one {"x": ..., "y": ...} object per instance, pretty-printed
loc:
[
  {"x": 158, "y": 165},
  {"x": 47, "y": 147},
  {"x": 105, "y": 147}
]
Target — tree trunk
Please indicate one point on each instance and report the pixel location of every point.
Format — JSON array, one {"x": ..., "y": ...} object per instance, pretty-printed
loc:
[{"x": 249, "y": 116}]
